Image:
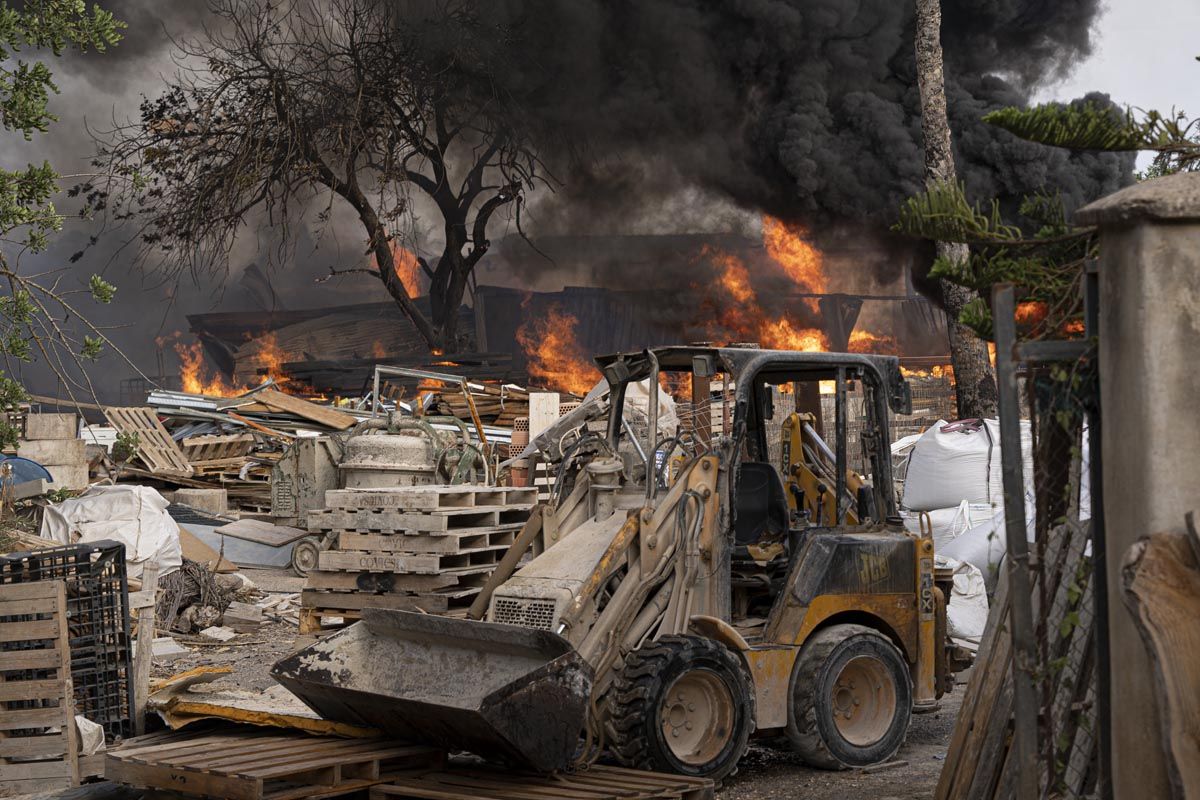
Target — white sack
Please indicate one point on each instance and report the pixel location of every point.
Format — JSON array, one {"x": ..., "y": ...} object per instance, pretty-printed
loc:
[
  {"x": 967, "y": 606},
  {"x": 136, "y": 516},
  {"x": 953, "y": 462},
  {"x": 91, "y": 736},
  {"x": 948, "y": 523}
]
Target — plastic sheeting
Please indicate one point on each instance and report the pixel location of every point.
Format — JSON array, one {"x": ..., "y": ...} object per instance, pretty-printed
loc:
[{"x": 136, "y": 516}]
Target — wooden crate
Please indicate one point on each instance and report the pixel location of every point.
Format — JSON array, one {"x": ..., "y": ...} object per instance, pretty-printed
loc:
[
  {"x": 37, "y": 712},
  {"x": 470, "y": 781},
  {"x": 260, "y": 764}
]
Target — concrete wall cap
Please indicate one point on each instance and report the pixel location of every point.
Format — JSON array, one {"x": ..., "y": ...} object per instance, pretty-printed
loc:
[{"x": 1174, "y": 198}]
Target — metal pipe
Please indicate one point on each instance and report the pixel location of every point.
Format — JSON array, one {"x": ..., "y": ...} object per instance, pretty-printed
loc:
[
  {"x": 1024, "y": 661},
  {"x": 839, "y": 408},
  {"x": 652, "y": 434},
  {"x": 1091, "y": 321}
]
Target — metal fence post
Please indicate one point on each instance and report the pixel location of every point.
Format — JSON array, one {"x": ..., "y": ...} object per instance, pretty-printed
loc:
[{"x": 1024, "y": 647}]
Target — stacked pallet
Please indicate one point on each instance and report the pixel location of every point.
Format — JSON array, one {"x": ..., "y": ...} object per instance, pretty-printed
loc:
[{"x": 421, "y": 548}]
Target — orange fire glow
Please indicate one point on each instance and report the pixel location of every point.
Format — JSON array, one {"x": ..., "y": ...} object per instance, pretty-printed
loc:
[
  {"x": 789, "y": 248},
  {"x": 867, "y": 342},
  {"x": 196, "y": 379},
  {"x": 555, "y": 358},
  {"x": 407, "y": 268}
]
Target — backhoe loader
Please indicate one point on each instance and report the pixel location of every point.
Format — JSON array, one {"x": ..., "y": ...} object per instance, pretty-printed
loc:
[{"x": 685, "y": 588}]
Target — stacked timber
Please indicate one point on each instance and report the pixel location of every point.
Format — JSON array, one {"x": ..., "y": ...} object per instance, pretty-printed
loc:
[
  {"x": 420, "y": 548},
  {"x": 495, "y": 404}
]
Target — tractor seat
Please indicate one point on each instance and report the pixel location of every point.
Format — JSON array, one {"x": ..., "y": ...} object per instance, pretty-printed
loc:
[{"x": 760, "y": 505}]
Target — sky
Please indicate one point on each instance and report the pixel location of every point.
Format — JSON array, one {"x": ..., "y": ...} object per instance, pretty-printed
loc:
[{"x": 1144, "y": 55}]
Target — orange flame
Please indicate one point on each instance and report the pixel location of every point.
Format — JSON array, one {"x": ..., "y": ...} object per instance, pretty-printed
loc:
[
  {"x": 738, "y": 312},
  {"x": 803, "y": 263},
  {"x": 194, "y": 374},
  {"x": 866, "y": 342},
  {"x": 407, "y": 268},
  {"x": 553, "y": 353}
]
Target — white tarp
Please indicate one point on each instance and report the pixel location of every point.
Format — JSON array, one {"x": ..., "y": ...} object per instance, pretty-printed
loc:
[
  {"x": 967, "y": 606},
  {"x": 136, "y": 516},
  {"x": 958, "y": 461}
]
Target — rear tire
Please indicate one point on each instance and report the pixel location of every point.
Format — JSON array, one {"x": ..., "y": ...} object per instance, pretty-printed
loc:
[
  {"x": 682, "y": 704},
  {"x": 305, "y": 554},
  {"x": 851, "y": 698}
]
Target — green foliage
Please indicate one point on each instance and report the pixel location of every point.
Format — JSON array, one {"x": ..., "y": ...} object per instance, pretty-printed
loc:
[
  {"x": 1089, "y": 126},
  {"x": 126, "y": 447},
  {"x": 12, "y": 394},
  {"x": 34, "y": 311}
]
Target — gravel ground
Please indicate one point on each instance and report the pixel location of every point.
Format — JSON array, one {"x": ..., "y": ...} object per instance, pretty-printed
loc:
[{"x": 768, "y": 773}]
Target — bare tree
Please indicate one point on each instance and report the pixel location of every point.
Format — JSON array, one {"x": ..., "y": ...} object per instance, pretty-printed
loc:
[
  {"x": 975, "y": 384},
  {"x": 358, "y": 103}
]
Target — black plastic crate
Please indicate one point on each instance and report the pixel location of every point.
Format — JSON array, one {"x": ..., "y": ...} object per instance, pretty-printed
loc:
[{"x": 97, "y": 622}]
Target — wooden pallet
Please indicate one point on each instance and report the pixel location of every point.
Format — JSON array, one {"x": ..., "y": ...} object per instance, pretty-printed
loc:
[
  {"x": 261, "y": 765},
  {"x": 428, "y": 498},
  {"x": 37, "y": 712},
  {"x": 394, "y": 521},
  {"x": 157, "y": 450},
  {"x": 207, "y": 449},
  {"x": 387, "y": 582},
  {"x": 448, "y": 542},
  {"x": 415, "y": 563},
  {"x": 435, "y": 602},
  {"x": 470, "y": 781}
]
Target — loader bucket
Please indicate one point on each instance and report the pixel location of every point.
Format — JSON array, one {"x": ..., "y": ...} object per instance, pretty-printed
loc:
[{"x": 503, "y": 691}]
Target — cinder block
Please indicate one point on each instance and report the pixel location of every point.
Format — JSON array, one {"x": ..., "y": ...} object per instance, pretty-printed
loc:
[
  {"x": 51, "y": 452},
  {"x": 51, "y": 426},
  {"x": 211, "y": 501},
  {"x": 68, "y": 476}
]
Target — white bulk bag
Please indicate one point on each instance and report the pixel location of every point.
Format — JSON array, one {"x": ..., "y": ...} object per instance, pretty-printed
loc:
[
  {"x": 136, "y": 516},
  {"x": 950, "y": 463},
  {"x": 967, "y": 605},
  {"x": 948, "y": 523}
]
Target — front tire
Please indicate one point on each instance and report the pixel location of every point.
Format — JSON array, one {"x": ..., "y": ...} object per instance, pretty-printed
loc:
[
  {"x": 682, "y": 704},
  {"x": 851, "y": 698}
]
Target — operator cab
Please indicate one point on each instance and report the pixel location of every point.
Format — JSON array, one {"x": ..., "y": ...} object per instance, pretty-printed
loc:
[{"x": 800, "y": 442}]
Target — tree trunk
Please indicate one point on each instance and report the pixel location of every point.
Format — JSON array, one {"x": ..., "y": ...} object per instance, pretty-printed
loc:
[{"x": 975, "y": 384}]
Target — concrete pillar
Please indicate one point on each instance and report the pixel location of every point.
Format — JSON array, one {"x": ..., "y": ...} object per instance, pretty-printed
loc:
[{"x": 1149, "y": 385}]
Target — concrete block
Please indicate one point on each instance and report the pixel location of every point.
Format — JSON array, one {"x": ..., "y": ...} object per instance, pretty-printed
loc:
[
  {"x": 211, "y": 501},
  {"x": 51, "y": 452},
  {"x": 51, "y": 426},
  {"x": 65, "y": 476}
]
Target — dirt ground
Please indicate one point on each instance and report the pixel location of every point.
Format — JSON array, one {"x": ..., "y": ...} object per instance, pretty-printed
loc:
[{"x": 766, "y": 772}]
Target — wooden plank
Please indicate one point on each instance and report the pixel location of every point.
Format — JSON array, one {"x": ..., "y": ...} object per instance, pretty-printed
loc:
[
  {"x": 156, "y": 449},
  {"x": 29, "y": 631},
  {"x": 143, "y": 654},
  {"x": 33, "y": 590},
  {"x": 179, "y": 779},
  {"x": 11, "y": 690},
  {"x": 53, "y": 745},
  {"x": 14, "y": 608},
  {"x": 329, "y": 417}
]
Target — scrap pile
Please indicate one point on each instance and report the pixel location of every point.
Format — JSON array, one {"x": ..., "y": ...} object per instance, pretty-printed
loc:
[
  {"x": 420, "y": 548},
  {"x": 198, "y": 442},
  {"x": 496, "y": 405}
]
